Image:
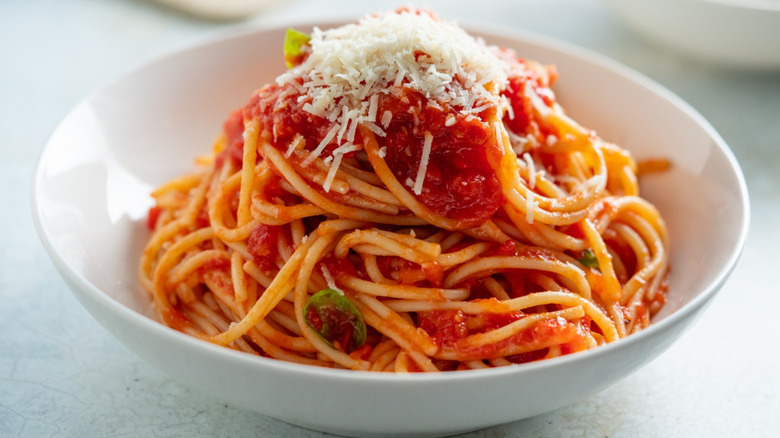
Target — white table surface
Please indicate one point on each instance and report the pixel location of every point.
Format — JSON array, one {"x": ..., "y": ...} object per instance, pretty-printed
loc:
[{"x": 61, "y": 374}]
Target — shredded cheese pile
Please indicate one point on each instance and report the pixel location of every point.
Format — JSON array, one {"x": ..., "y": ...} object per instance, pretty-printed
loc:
[{"x": 348, "y": 67}]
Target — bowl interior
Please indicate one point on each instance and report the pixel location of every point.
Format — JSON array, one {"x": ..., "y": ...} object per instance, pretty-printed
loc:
[{"x": 94, "y": 177}]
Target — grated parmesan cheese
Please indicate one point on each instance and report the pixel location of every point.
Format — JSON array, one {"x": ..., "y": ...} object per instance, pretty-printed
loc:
[
  {"x": 520, "y": 144},
  {"x": 297, "y": 143},
  {"x": 530, "y": 206},
  {"x": 372, "y": 107},
  {"x": 510, "y": 112},
  {"x": 338, "y": 154},
  {"x": 329, "y": 279},
  {"x": 426, "y": 153},
  {"x": 529, "y": 162},
  {"x": 349, "y": 67},
  {"x": 321, "y": 147},
  {"x": 334, "y": 167},
  {"x": 387, "y": 117}
]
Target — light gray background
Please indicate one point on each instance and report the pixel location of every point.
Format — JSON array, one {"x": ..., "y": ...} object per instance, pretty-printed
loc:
[{"x": 63, "y": 375}]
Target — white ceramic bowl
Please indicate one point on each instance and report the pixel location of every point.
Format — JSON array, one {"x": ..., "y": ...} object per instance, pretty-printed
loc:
[
  {"x": 91, "y": 197},
  {"x": 736, "y": 33},
  {"x": 220, "y": 10}
]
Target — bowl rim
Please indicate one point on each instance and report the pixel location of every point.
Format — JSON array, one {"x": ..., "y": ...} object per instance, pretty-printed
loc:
[{"x": 483, "y": 29}]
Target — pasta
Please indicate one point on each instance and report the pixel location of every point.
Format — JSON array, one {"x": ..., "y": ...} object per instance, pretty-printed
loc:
[{"x": 406, "y": 198}]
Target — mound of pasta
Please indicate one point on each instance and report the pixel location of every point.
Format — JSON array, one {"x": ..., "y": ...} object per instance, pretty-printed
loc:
[{"x": 406, "y": 198}]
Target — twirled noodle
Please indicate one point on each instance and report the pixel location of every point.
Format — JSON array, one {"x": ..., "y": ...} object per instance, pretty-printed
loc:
[{"x": 419, "y": 203}]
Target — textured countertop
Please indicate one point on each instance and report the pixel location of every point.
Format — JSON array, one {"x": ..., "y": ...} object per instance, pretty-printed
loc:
[{"x": 61, "y": 374}]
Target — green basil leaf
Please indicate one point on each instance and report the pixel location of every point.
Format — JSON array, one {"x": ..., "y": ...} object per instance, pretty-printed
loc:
[
  {"x": 335, "y": 319},
  {"x": 589, "y": 259},
  {"x": 294, "y": 43}
]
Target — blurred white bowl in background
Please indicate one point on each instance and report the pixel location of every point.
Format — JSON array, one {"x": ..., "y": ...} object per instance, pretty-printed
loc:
[
  {"x": 219, "y": 9},
  {"x": 736, "y": 33}
]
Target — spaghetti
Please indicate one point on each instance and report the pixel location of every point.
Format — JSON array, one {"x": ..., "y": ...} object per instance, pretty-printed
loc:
[{"x": 406, "y": 198}]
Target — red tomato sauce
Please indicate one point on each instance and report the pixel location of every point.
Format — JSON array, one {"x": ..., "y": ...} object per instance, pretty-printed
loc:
[
  {"x": 234, "y": 136},
  {"x": 280, "y": 113},
  {"x": 262, "y": 245},
  {"x": 444, "y": 326},
  {"x": 175, "y": 318},
  {"x": 447, "y": 327},
  {"x": 506, "y": 249},
  {"x": 520, "y": 119},
  {"x": 450, "y": 328},
  {"x": 460, "y": 181},
  {"x": 536, "y": 337},
  {"x": 339, "y": 267},
  {"x": 408, "y": 272},
  {"x": 152, "y": 216}
]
